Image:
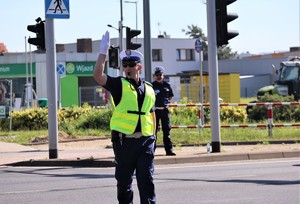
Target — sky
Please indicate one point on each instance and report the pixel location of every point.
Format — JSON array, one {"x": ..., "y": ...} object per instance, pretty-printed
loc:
[{"x": 264, "y": 26}]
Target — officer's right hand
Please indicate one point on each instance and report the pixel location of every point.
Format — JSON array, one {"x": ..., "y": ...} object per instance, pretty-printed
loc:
[{"x": 104, "y": 44}]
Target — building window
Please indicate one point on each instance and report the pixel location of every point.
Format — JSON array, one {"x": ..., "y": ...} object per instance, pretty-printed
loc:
[
  {"x": 185, "y": 55},
  {"x": 157, "y": 55}
]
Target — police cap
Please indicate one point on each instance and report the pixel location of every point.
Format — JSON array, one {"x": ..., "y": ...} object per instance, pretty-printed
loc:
[
  {"x": 131, "y": 55},
  {"x": 159, "y": 70}
]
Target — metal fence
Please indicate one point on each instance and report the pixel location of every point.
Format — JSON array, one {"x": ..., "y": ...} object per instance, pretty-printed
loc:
[
  {"x": 268, "y": 125},
  {"x": 95, "y": 96}
]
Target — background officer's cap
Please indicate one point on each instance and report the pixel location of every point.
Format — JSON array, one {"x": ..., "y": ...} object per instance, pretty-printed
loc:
[
  {"x": 159, "y": 70},
  {"x": 131, "y": 55}
]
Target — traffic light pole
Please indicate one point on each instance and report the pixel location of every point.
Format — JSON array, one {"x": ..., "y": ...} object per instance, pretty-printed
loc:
[
  {"x": 121, "y": 36},
  {"x": 51, "y": 89},
  {"x": 120, "y": 45},
  {"x": 147, "y": 42},
  {"x": 213, "y": 77}
]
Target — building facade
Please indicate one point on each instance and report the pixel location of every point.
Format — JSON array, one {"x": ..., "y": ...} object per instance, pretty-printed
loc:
[{"x": 181, "y": 62}]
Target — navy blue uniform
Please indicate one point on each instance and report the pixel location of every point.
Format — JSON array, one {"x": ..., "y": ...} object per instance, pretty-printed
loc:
[
  {"x": 132, "y": 154},
  {"x": 163, "y": 92}
]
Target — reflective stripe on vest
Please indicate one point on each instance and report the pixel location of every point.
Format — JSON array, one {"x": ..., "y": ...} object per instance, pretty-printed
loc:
[{"x": 126, "y": 113}]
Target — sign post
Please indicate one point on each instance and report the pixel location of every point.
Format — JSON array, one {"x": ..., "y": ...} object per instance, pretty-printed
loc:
[
  {"x": 53, "y": 9},
  {"x": 61, "y": 70},
  {"x": 198, "y": 48}
]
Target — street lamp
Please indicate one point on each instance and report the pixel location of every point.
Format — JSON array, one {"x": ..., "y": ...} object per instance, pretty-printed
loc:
[
  {"x": 136, "y": 12},
  {"x": 118, "y": 29}
]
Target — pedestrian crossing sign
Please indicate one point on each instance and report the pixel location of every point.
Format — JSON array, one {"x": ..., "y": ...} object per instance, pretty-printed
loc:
[{"x": 57, "y": 9}]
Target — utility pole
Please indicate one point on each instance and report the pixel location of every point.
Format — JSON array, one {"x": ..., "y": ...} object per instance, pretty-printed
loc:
[
  {"x": 147, "y": 42},
  {"x": 213, "y": 77},
  {"x": 121, "y": 36}
]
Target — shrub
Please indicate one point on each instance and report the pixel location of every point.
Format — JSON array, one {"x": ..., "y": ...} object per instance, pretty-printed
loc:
[
  {"x": 280, "y": 113},
  {"x": 68, "y": 119},
  {"x": 98, "y": 119},
  {"x": 30, "y": 119},
  {"x": 189, "y": 115},
  {"x": 231, "y": 114}
]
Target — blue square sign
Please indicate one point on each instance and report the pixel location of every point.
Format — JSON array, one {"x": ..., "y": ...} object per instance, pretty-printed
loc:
[{"x": 57, "y": 9}]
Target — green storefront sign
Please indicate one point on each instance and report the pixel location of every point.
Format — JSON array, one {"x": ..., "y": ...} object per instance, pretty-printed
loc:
[
  {"x": 16, "y": 70},
  {"x": 69, "y": 83},
  {"x": 80, "y": 68}
]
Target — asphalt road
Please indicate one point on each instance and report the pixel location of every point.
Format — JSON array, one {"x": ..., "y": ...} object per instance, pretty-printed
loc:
[{"x": 265, "y": 181}]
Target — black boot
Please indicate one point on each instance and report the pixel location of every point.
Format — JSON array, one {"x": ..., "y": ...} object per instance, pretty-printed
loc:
[{"x": 170, "y": 153}]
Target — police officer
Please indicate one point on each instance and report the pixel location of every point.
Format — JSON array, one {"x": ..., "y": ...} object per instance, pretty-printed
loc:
[
  {"x": 132, "y": 124},
  {"x": 164, "y": 94}
]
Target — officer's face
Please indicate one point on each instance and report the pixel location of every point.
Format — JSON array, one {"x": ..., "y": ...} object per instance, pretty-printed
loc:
[
  {"x": 159, "y": 76},
  {"x": 130, "y": 68}
]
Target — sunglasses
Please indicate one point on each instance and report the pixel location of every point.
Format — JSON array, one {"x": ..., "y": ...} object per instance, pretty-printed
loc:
[
  {"x": 131, "y": 64},
  {"x": 158, "y": 74}
]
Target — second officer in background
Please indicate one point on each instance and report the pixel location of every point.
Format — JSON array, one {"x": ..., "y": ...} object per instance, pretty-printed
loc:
[{"x": 164, "y": 94}]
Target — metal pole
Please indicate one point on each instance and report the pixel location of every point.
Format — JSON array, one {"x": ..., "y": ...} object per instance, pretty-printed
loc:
[
  {"x": 31, "y": 81},
  {"x": 26, "y": 94},
  {"x": 147, "y": 41},
  {"x": 120, "y": 46},
  {"x": 136, "y": 15},
  {"x": 52, "y": 89},
  {"x": 201, "y": 87},
  {"x": 213, "y": 77},
  {"x": 58, "y": 91},
  {"x": 121, "y": 36},
  {"x": 270, "y": 119},
  {"x": 11, "y": 100}
]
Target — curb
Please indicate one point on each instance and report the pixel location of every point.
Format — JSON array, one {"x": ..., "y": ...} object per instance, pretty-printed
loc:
[
  {"x": 71, "y": 163},
  {"x": 228, "y": 157},
  {"x": 213, "y": 157}
]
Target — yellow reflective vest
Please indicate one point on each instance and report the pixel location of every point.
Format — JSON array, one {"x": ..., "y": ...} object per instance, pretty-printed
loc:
[{"x": 126, "y": 114}]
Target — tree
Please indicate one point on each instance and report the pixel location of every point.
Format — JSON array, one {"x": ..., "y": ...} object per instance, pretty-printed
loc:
[{"x": 195, "y": 32}]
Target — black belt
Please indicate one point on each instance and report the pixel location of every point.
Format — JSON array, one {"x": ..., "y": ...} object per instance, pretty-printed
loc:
[
  {"x": 135, "y": 135},
  {"x": 160, "y": 108}
]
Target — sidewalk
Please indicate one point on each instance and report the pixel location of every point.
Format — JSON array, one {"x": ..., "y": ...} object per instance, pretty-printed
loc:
[{"x": 83, "y": 154}]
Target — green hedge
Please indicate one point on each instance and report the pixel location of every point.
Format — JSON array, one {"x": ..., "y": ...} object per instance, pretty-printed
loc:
[
  {"x": 86, "y": 117},
  {"x": 68, "y": 118},
  {"x": 287, "y": 113}
]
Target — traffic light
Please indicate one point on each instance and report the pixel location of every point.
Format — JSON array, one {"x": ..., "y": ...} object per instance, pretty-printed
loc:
[
  {"x": 39, "y": 30},
  {"x": 129, "y": 35},
  {"x": 113, "y": 57},
  {"x": 222, "y": 18}
]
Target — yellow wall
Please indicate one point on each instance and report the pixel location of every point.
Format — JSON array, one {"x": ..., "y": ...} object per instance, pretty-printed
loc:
[{"x": 229, "y": 88}]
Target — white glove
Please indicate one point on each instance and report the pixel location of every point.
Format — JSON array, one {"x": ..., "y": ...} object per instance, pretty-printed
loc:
[{"x": 104, "y": 44}]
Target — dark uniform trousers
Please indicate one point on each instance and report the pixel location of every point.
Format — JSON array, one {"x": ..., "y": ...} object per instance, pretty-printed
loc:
[
  {"x": 134, "y": 154},
  {"x": 164, "y": 116}
]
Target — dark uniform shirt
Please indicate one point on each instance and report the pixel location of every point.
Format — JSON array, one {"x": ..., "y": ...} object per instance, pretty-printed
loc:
[
  {"x": 114, "y": 86},
  {"x": 162, "y": 91}
]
